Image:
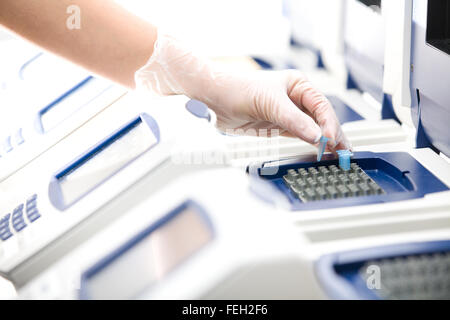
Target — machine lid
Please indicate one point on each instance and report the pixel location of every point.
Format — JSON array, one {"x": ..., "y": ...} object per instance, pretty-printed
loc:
[
  {"x": 430, "y": 74},
  {"x": 364, "y": 47}
]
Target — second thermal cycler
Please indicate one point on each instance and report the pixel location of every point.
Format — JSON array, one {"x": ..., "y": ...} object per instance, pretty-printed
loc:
[
  {"x": 380, "y": 230},
  {"x": 102, "y": 168},
  {"x": 194, "y": 239}
]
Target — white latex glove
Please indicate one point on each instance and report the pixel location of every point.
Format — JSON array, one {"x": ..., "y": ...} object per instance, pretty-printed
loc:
[{"x": 283, "y": 100}]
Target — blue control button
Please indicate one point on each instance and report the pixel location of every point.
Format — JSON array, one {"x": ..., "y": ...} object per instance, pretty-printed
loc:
[
  {"x": 5, "y": 235},
  {"x": 19, "y": 226},
  {"x": 5, "y": 232},
  {"x": 18, "y": 221},
  {"x": 198, "y": 109},
  {"x": 32, "y": 198},
  {"x": 18, "y": 212},
  {"x": 31, "y": 205},
  {"x": 4, "y": 222},
  {"x": 34, "y": 216},
  {"x": 32, "y": 210}
]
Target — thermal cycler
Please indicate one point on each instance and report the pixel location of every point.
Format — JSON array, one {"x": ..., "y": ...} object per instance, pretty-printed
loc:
[
  {"x": 388, "y": 216},
  {"x": 112, "y": 163},
  {"x": 188, "y": 241},
  {"x": 48, "y": 106}
]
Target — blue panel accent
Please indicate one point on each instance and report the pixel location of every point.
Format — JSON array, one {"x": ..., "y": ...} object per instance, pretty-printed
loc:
[
  {"x": 320, "y": 63},
  {"x": 422, "y": 140},
  {"x": 18, "y": 137},
  {"x": 338, "y": 272},
  {"x": 119, "y": 252},
  {"x": 268, "y": 65},
  {"x": 430, "y": 78},
  {"x": 55, "y": 193},
  {"x": 7, "y": 146},
  {"x": 397, "y": 173},
  {"x": 294, "y": 43},
  {"x": 387, "y": 109},
  {"x": 264, "y": 64},
  {"x": 198, "y": 109},
  {"x": 343, "y": 111},
  {"x": 351, "y": 84}
]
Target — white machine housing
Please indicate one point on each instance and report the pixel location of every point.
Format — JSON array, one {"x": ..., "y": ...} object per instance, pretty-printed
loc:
[
  {"x": 247, "y": 253},
  {"x": 56, "y": 103},
  {"x": 41, "y": 222},
  {"x": 394, "y": 223}
]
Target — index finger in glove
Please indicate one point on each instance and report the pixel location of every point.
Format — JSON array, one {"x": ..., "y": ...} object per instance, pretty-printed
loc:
[{"x": 315, "y": 103}]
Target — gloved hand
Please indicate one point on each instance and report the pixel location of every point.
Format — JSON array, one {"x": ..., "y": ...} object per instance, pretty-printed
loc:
[{"x": 282, "y": 100}]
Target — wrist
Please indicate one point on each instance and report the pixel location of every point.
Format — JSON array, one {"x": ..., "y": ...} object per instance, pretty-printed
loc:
[{"x": 174, "y": 69}]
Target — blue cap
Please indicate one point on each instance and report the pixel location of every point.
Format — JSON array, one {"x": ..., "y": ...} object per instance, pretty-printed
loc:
[
  {"x": 344, "y": 159},
  {"x": 322, "y": 146}
]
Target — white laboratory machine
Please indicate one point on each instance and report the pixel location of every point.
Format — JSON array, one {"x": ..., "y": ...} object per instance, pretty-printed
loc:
[
  {"x": 351, "y": 38},
  {"x": 356, "y": 51},
  {"x": 49, "y": 99},
  {"x": 188, "y": 241},
  {"x": 116, "y": 160},
  {"x": 394, "y": 171},
  {"x": 393, "y": 195},
  {"x": 317, "y": 27},
  {"x": 390, "y": 214}
]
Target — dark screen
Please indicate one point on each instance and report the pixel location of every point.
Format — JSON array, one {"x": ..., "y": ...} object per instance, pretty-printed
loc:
[{"x": 438, "y": 24}]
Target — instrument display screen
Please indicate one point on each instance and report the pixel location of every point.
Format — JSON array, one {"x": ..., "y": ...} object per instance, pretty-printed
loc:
[
  {"x": 71, "y": 101},
  {"x": 103, "y": 161},
  {"x": 151, "y": 257}
]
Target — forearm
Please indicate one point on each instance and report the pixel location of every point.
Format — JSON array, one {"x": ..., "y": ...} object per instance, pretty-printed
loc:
[{"x": 111, "y": 42}]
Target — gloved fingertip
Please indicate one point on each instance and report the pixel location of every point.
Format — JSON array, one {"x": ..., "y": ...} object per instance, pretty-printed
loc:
[{"x": 319, "y": 136}]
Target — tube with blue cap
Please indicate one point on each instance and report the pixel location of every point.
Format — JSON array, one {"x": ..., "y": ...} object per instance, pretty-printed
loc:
[
  {"x": 344, "y": 159},
  {"x": 344, "y": 155}
]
